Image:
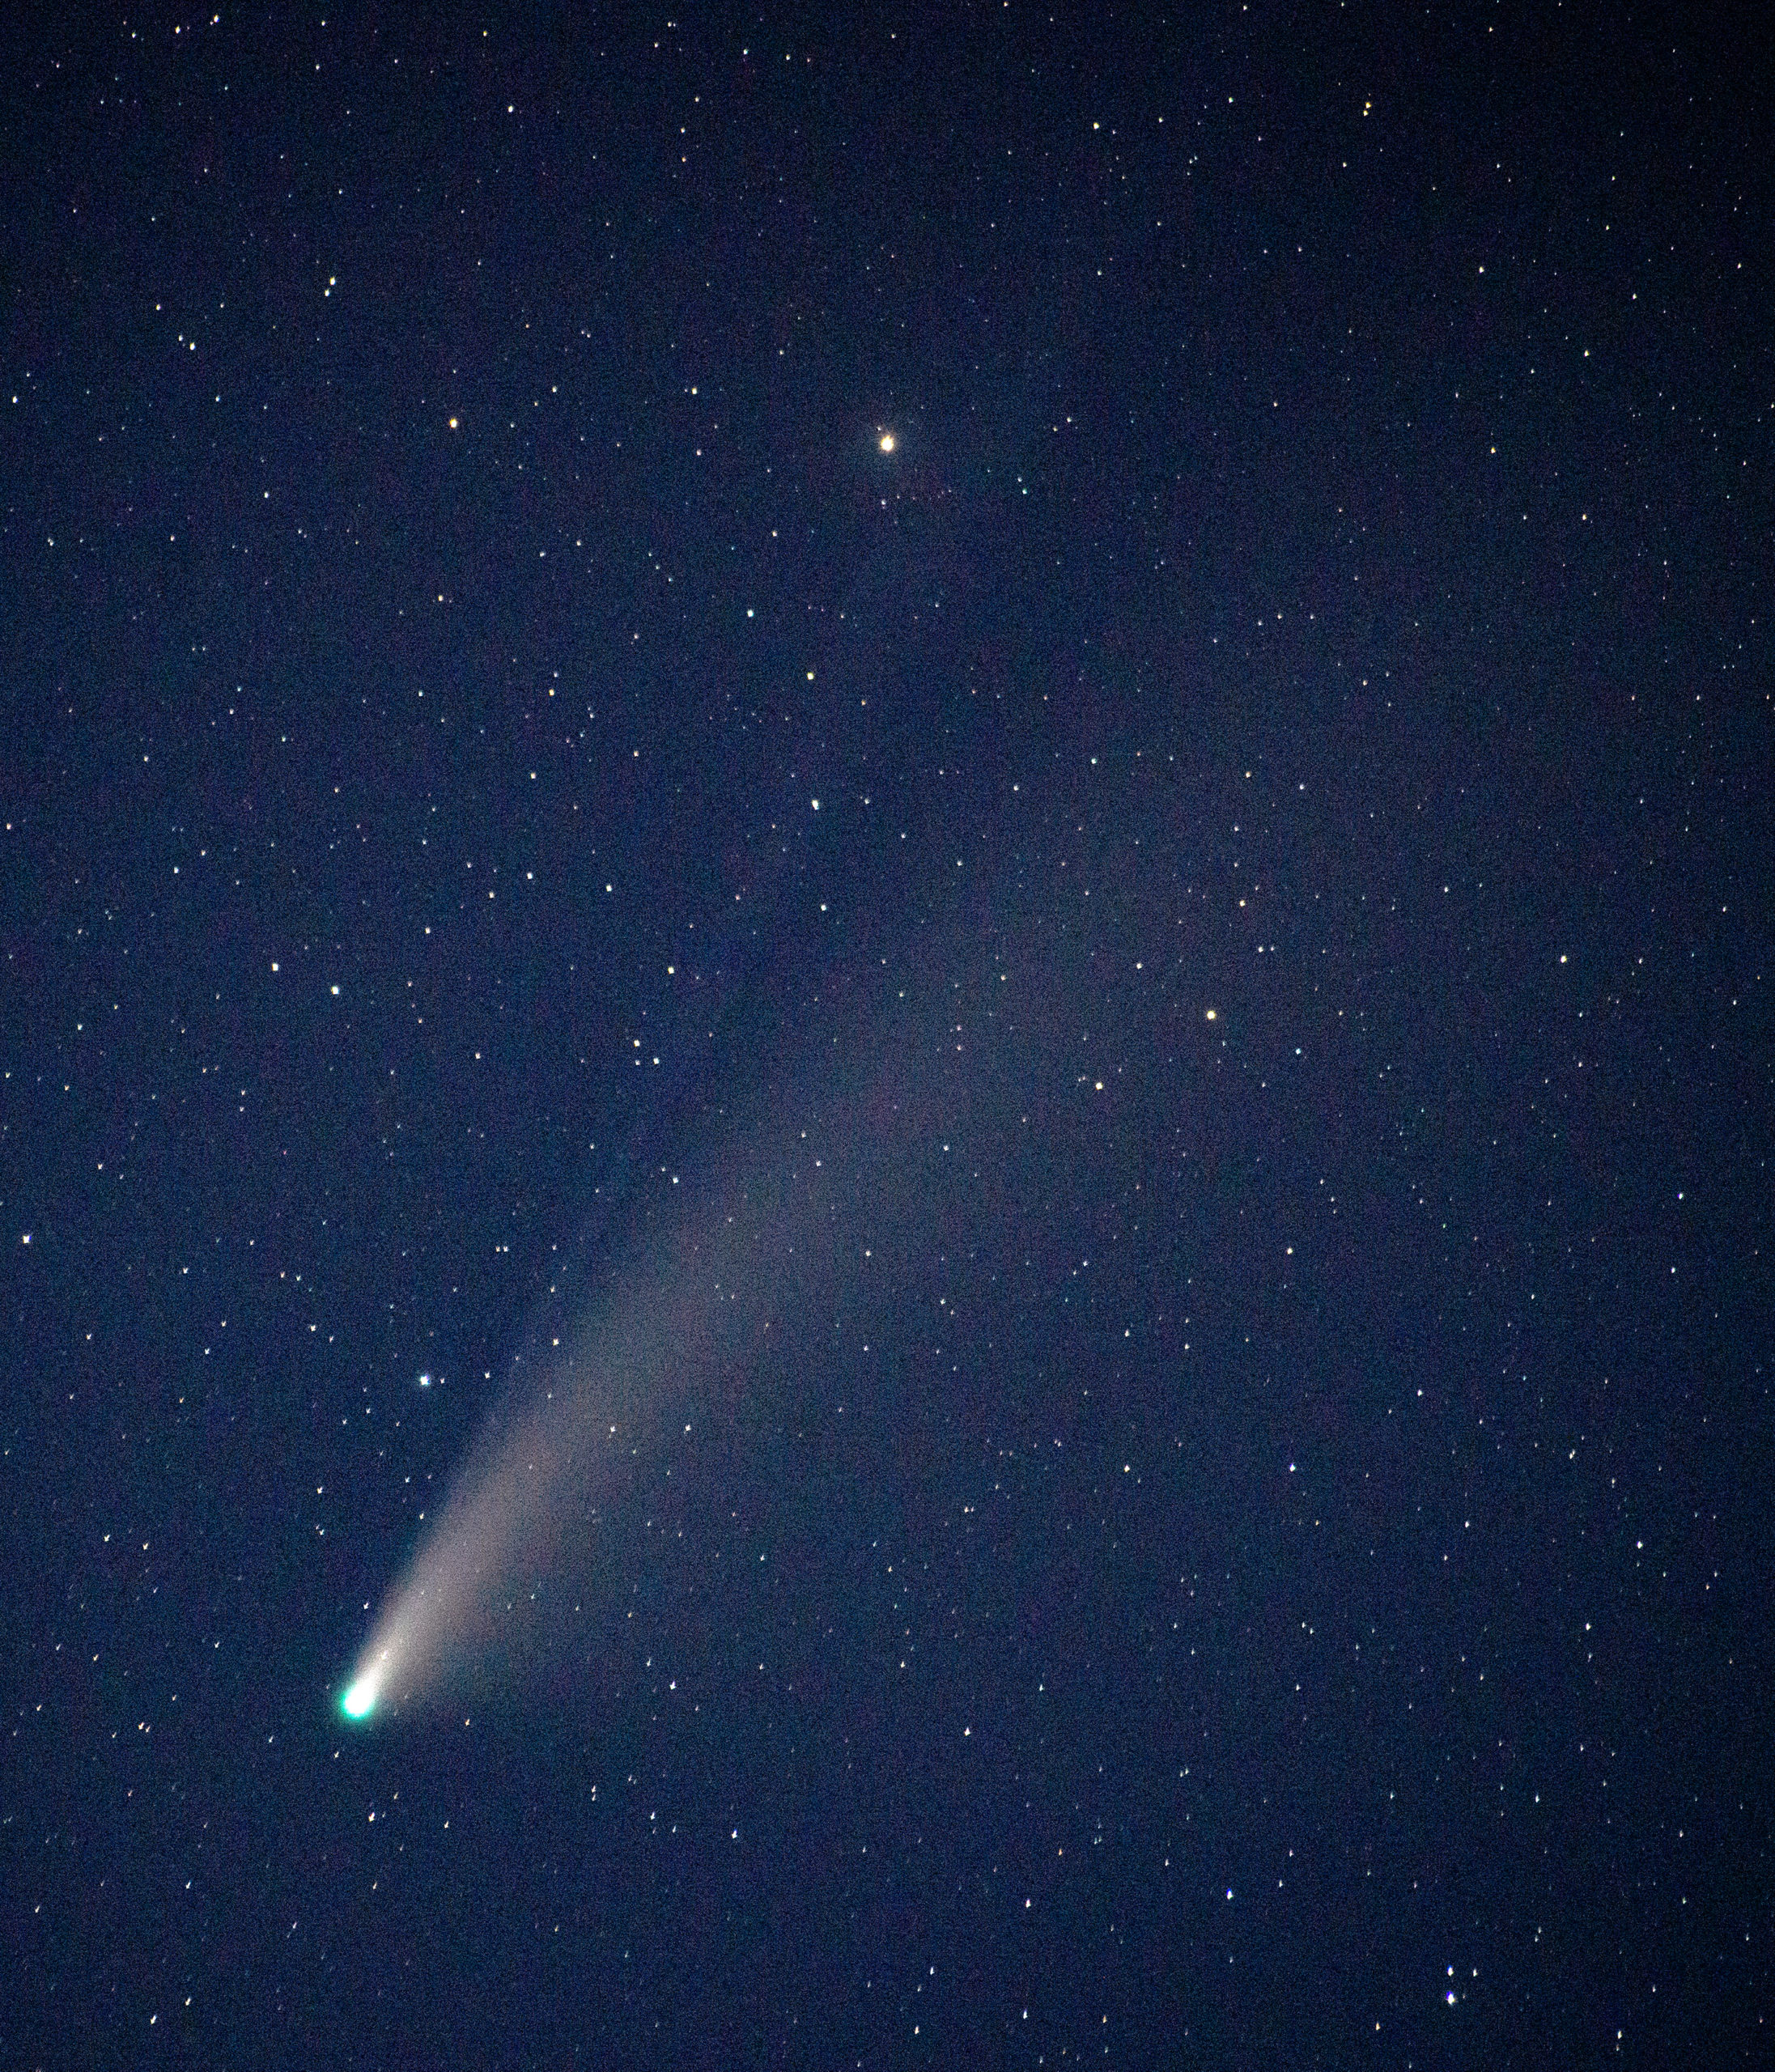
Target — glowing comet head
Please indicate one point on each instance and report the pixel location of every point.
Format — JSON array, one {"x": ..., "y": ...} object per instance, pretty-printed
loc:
[{"x": 359, "y": 1699}]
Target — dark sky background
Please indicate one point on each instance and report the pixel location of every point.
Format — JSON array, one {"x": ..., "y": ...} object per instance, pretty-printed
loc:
[{"x": 1246, "y": 1539}]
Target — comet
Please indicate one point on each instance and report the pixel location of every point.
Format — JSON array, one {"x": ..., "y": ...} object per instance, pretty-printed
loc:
[{"x": 837, "y": 1182}]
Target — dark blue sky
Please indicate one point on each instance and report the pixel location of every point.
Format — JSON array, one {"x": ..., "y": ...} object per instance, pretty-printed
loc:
[{"x": 1230, "y": 1525}]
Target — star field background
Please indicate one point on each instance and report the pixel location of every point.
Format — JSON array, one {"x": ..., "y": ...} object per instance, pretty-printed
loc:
[{"x": 1270, "y": 1565}]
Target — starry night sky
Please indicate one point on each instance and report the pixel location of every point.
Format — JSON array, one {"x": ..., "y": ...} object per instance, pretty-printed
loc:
[{"x": 1087, "y": 697}]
